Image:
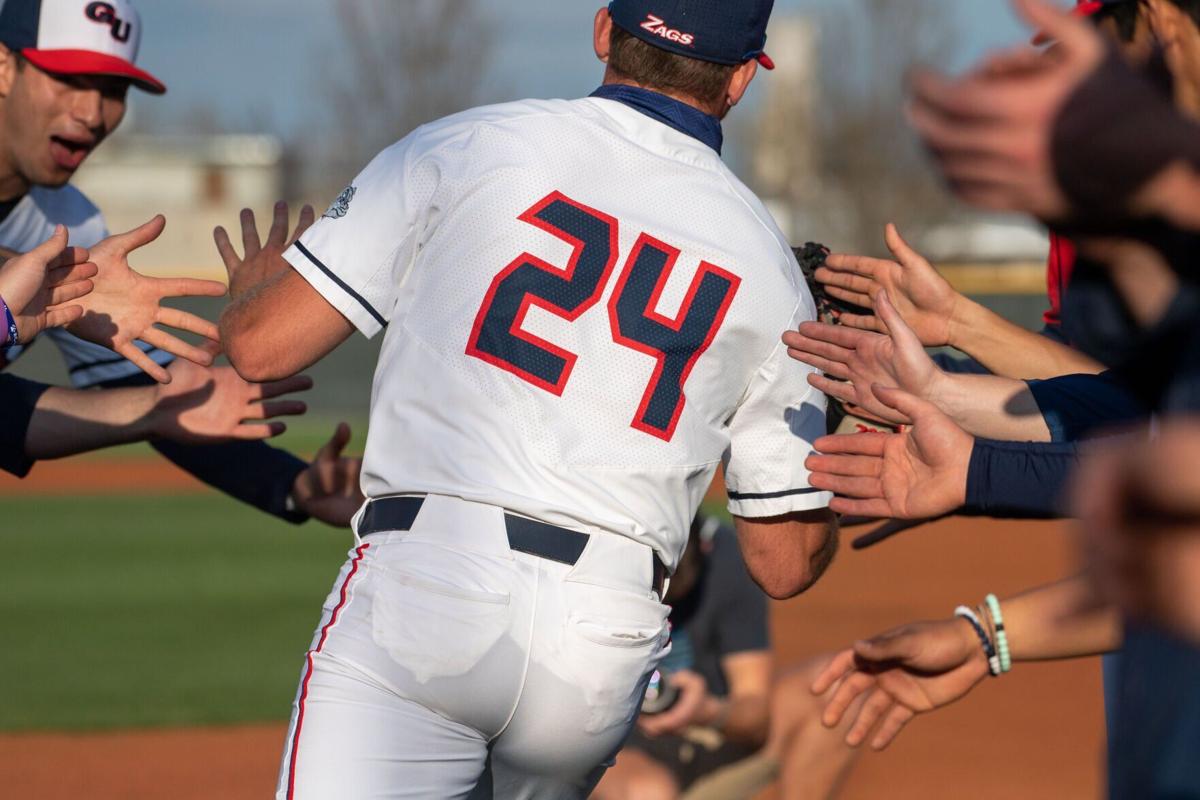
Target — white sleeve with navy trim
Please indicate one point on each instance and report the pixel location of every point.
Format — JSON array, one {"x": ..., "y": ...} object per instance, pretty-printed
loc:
[
  {"x": 356, "y": 254},
  {"x": 771, "y": 434}
]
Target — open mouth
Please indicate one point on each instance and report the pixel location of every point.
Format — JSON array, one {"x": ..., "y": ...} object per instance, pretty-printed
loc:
[{"x": 69, "y": 153}]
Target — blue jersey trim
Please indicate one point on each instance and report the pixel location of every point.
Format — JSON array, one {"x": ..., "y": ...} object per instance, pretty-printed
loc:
[
  {"x": 667, "y": 110},
  {"x": 345, "y": 287},
  {"x": 772, "y": 495}
]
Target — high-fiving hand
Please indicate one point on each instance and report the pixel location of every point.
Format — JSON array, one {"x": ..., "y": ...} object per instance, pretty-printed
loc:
[
  {"x": 329, "y": 489},
  {"x": 256, "y": 264},
  {"x": 856, "y": 360},
  {"x": 918, "y": 474},
  {"x": 39, "y": 286},
  {"x": 125, "y": 305}
]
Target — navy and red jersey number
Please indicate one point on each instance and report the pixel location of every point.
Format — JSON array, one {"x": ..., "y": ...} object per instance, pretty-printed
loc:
[{"x": 676, "y": 344}]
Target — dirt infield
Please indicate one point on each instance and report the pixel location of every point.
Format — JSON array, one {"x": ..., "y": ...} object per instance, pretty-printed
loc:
[
  {"x": 1037, "y": 733},
  {"x": 85, "y": 476}
]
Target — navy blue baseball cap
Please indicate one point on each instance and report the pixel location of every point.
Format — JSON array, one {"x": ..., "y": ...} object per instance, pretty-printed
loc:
[{"x": 722, "y": 31}]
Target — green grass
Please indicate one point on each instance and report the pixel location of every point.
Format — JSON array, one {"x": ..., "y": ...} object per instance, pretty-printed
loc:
[{"x": 124, "y": 611}]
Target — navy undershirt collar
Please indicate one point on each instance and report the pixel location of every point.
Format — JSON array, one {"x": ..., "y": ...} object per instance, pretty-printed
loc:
[{"x": 667, "y": 110}]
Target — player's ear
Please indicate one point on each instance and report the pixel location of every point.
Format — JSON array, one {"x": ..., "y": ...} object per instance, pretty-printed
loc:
[
  {"x": 9, "y": 65},
  {"x": 739, "y": 82},
  {"x": 602, "y": 34}
]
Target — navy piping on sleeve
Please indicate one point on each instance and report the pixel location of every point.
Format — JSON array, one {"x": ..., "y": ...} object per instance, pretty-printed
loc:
[
  {"x": 345, "y": 287},
  {"x": 772, "y": 495}
]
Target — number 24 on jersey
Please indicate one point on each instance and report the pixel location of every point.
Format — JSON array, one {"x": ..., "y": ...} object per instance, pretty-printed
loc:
[{"x": 676, "y": 344}]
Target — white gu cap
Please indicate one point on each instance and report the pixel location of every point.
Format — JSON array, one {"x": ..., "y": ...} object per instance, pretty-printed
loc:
[{"x": 78, "y": 37}]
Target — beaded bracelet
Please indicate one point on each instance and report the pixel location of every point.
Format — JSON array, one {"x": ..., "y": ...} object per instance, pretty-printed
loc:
[
  {"x": 993, "y": 604},
  {"x": 988, "y": 650},
  {"x": 14, "y": 336}
]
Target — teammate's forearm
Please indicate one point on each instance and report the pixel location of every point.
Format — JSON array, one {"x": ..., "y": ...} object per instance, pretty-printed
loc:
[
  {"x": 1011, "y": 351},
  {"x": 66, "y": 422},
  {"x": 990, "y": 406},
  {"x": 744, "y": 719},
  {"x": 1061, "y": 620}
]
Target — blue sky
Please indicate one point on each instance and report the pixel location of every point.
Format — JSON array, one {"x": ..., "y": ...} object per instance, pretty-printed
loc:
[{"x": 255, "y": 60}]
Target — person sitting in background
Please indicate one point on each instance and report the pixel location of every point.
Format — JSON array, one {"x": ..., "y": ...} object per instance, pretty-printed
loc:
[{"x": 716, "y": 682}]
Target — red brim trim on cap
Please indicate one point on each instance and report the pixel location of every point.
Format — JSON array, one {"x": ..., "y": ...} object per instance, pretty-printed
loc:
[
  {"x": 89, "y": 62},
  {"x": 1084, "y": 9},
  {"x": 765, "y": 61}
]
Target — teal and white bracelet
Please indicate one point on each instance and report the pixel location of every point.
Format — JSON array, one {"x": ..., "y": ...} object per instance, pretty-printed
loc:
[{"x": 993, "y": 605}]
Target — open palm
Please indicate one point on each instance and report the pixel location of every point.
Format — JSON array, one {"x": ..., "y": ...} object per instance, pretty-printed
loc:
[
  {"x": 38, "y": 287},
  {"x": 918, "y": 474},
  {"x": 125, "y": 305}
]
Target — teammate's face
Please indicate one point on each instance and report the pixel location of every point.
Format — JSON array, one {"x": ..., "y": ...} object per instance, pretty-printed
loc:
[{"x": 51, "y": 123}]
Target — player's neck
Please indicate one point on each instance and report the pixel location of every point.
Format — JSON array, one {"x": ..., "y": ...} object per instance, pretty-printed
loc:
[
  {"x": 13, "y": 184},
  {"x": 613, "y": 79}
]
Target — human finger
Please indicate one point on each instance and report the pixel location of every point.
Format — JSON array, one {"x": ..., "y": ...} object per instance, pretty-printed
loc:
[
  {"x": 296, "y": 383},
  {"x": 891, "y": 726},
  {"x": 834, "y": 334},
  {"x": 850, "y": 486},
  {"x": 835, "y": 368},
  {"x": 185, "y": 321},
  {"x": 907, "y": 404},
  {"x": 61, "y": 316},
  {"x": 899, "y": 644},
  {"x": 902, "y": 335},
  {"x": 1063, "y": 28},
  {"x": 51, "y": 249},
  {"x": 70, "y": 257},
  {"x": 853, "y": 298},
  {"x": 260, "y": 430},
  {"x": 277, "y": 235},
  {"x": 251, "y": 244},
  {"x": 308, "y": 216},
  {"x": 872, "y": 710},
  {"x": 133, "y": 353},
  {"x": 140, "y": 236},
  {"x": 336, "y": 444},
  {"x": 270, "y": 409},
  {"x": 64, "y": 293},
  {"x": 852, "y": 466},
  {"x": 905, "y": 255},
  {"x": 842, "y": 390},
  {"x": 849, "y": 281},
  {"x": 875, "y": 507},
  {"x": 833, "y": 672},
  {"x": 854, "y": 684},
  {"x": 823, "y": 347},
  {"x": 228, "y": 255},
  {"x": 71, "y": 273},
  {"x": 176, "y": 347},
  {"x": 864, "y": 266},
  {"x": 863, "y": 444},
  {"x": 188, "y": 287},
  {"x": 967, "y": 101}
]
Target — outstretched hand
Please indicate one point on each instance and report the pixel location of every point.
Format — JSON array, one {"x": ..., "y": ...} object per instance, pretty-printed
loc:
[
  {"x": 126, "y": 305},
  {"x": 203, "y": 405},
  {"x": 39, "y": 286},
  {"x": 329, "y": 489},
  {"x": 918, "y": 474},
  {"x": 259, "y": 261},
  {"x": 924, "y": 299},
  {"x": 907, "y": 671},
  {"x": 855, "y": 360}
]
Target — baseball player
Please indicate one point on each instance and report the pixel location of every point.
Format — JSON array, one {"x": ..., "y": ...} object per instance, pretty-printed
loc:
[
  {"x": 65, "y": 69},
  {"x": 583, "y": 308}
]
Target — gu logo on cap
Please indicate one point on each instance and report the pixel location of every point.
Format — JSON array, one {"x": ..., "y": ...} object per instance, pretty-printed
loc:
[{"x": 78, "y": 37}]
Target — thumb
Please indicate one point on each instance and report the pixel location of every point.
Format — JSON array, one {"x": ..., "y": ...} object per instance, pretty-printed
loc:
[
  {"x": 52, "y": 248},
  {"x": 142, "y": 235},
  {"x": 336, "y": 444},
  {"x": 899, "y": 645},
  {"x": 899, "y": 247},
  {"x": 897, "y": 328},
  {"x": 907, "y": 404},
  {"x": 1052, "y": 22}
]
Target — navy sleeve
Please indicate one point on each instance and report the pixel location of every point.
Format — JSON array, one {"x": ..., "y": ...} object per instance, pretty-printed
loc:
[
  {"x": 1076, "y": 405},
  {"x": 253, "y": 472},
  {"x": 19, "y": 397},
  {"x": 1019, "y": 480}
]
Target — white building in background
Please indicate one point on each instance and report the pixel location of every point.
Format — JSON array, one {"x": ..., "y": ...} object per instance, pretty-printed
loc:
[{"x": 197, "y": 182}]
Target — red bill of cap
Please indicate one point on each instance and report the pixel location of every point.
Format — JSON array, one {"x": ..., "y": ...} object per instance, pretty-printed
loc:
[
  {"x": 1084, "y": 8},
  {"x": 766, "y": 61},
  {"x": 89, "y": 62}
]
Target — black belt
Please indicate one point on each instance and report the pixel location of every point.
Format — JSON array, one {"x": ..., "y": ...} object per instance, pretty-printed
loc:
[{"x": 524, "y": 535}]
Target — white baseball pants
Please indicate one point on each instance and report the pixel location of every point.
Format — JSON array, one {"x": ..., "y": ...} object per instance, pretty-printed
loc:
[{"x": 448, "y": 666}]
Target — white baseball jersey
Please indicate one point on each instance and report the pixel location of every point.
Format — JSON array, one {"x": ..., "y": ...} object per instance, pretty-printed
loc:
[
  {"x": 583, "y": 311},
  {"x": 32, "y": 222}
]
